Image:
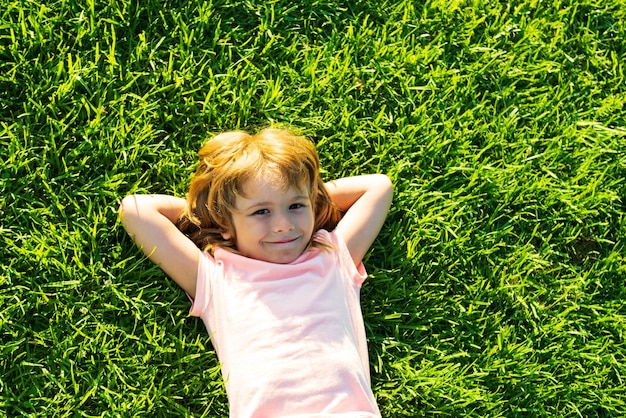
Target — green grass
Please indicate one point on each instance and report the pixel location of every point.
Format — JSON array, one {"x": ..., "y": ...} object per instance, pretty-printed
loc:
[{"x": 497, "y": 285}]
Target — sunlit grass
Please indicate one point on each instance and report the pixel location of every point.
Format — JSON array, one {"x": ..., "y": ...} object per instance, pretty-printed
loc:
[{"x": 497, "y": 285}]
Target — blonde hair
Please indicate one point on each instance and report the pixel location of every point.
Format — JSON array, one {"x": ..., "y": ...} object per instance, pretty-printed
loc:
[{"x": 228, "y": 160}]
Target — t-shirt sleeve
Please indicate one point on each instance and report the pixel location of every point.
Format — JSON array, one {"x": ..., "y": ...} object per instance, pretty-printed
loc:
[
  {"x": 356, "y": 273},
  {"x": 200, "y": 303}
]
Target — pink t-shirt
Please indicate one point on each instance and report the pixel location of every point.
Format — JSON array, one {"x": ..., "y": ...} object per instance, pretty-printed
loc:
[{"x": 290, "y": 337}]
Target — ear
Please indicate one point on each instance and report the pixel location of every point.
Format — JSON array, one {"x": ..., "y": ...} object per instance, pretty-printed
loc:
[{"x": 226, "y": 235}]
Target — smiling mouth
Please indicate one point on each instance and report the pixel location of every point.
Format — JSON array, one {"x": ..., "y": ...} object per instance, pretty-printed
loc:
[{"x": 285, "y": 241}]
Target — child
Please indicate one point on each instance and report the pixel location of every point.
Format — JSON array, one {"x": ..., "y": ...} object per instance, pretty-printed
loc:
[{"x": 273, "y": 270}]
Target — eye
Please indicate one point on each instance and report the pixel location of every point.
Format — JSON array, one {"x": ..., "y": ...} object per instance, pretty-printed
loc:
[
  {"x": 261, "y": 212},
  {"x": 296, "y": 206}
]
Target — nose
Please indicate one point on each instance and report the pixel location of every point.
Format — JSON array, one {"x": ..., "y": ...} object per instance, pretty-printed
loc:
[{"x": 283, "y": 223}]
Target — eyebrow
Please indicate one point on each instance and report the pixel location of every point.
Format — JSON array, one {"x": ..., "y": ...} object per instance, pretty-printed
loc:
[{"x": 268, "y": 203}]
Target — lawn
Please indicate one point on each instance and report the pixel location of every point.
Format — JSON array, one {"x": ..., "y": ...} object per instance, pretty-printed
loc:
[{"x": 496, "y": 287}]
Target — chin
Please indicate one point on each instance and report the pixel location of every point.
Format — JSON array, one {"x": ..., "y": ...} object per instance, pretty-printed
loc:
[
  {"x": 287, "y": 257},
  {"x": 283, "y": 260}
]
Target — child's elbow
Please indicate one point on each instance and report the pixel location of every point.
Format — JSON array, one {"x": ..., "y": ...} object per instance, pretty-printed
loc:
[
  {"x": 127, "y": 206},
  {"x": 385, "y": 185},
  {"x": 387, "y": 182}
]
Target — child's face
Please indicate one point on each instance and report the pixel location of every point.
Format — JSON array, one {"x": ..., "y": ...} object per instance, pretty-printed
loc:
[{"x": 272, "y": 224}]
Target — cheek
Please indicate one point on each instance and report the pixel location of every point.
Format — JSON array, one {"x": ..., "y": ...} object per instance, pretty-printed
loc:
[
  {"x": 244, "y": 227},
  {"x": 309, "y": 220},
  {"x": 229, "y": 232}
]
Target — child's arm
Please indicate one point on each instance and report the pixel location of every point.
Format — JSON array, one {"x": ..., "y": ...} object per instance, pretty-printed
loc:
[
  {"x": 366, "y": 200},
  {"x": 149, "y": 219}
]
